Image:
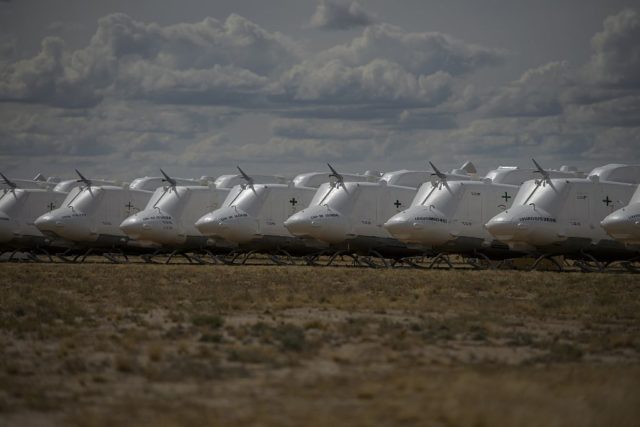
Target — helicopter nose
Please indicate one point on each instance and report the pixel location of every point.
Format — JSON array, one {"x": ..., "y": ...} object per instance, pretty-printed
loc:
[
  {"x": 231, "y": 224},
  {"x": 319, "y": 223},
  {"x": 527, "y": 225},
  {"x": 419, "y": 225},
  {"x": 298, "y": 224},
  {"x": 152, "y": 225},
  {"x": 503, "y": 227},
  {"x": 621, "y": 226},
  {"x": 6, "y": 229},
  {"x": 401, "y": 226},
  {"x": 205, "y": 224},
  {"x": 133, "y": 227},
  {"x": 48, "y": 223},
  {"x": 65, "y": 225}
]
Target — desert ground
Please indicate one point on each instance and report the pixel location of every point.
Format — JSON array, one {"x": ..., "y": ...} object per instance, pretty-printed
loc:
[{"x": 173, "y": 345}]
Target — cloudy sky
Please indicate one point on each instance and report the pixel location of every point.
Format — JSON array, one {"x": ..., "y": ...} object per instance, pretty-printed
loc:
[{"x": 120, "y": 88}]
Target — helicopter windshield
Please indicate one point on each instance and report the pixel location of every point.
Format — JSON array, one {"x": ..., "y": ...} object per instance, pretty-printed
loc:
[
  {"x": 549, "y": 197},
  {"x": 443, "y": 197},
  {"x": 9, "y": 200},
  {"x": 72, "y": 195},
  {"x": 164, "y": 198},
  {"x": 83, "y": 200},
  {"x": 335, "y": 196},
  {"x": 173, "y": 200},
  {"x": 247, "y": 198},
  {"x": 157, "y": 195}
]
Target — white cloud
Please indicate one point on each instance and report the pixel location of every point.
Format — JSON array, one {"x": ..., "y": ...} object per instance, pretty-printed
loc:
[
  {"x": 420, "y": 53},
  {"x": 376, "y": 82},
  {"x": 140, "y": 95},
  {"x": 128, "y": 58},
  {"x": 386, "y": 66},
  {"x": 330, "y": 15}
]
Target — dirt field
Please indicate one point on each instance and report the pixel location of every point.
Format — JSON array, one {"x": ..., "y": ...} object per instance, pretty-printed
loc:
[{"x": 104, "y": 345}]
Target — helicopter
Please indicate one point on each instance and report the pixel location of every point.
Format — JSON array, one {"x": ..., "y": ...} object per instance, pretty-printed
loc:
[
  {"x": 167, "y": 221},
  {"x": 89, "y": 216},
  {"x": 19, "y": 207},
  {"x": 561, "y": 216},
  {"x": 449, "y": 217},
  {"x": 349, "y": 215},
  {"x": 253, "y": 214}
]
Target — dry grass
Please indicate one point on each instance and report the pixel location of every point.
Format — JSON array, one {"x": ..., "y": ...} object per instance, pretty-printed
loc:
[{"x": 99, "y": 345}]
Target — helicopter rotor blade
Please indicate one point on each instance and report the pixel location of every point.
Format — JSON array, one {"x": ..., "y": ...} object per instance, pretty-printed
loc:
[
  {"x": 437, "y": 172},
  {"x": 7, "y": 181},
  {"x": 168, "y": 179},
  {"x": 83, "y": 178},
  {"x": 540, "y": 169},
  {"x": 245, "y": 176},
  {"x": 335, "y": 174}
]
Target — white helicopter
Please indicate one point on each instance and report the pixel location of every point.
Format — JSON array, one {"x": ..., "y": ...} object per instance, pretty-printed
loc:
[
  {"x": 22, "y": 206},
  {"x": 167, "y": 221},
  {"x": 90, "y": 215},
  {"x": 449, "y": 217},
  {"x": 624, "y": 224},
  {"x": 552, "y": 217},
  {"x": 253, "y": 214},
  {"x": 349, "y": 215},
  {"x": 19, "y": 207}
]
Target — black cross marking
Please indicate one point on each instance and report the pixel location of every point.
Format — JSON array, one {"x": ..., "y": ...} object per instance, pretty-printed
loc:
[
  {"x": 51, "y": 206},
  {"x": 293, "y": 202},
  {"x": 506, "y": 197},
  {"x": 607, "y": 201},
  {"x": 397, "y": 204},
  {"x": 129, "y": 206}
]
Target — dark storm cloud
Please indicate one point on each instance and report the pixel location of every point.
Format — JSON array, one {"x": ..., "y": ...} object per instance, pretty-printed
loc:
[
  {"x": 538, "y": 92},
  {"x": 589, "y": 112},
  {"x": 330, "y": 15},
  {"x": 322, "y": 129},
  {"x": 612, "y": 72},
  {"x": 616, "y": 57},
  {"x": 109, "y": 129},
  {"x": 7, "y": 48},
  {"x": 421, "y": 119}
]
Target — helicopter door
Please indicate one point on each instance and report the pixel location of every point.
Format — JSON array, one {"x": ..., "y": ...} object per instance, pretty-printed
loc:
[
  {"x": 580, "y": 210},
  {"x": 472, "y": 209},
  {"x": 366, "y": 202},
  {"x": 272, "y": 202}
]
